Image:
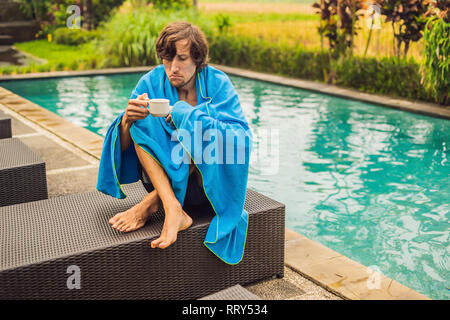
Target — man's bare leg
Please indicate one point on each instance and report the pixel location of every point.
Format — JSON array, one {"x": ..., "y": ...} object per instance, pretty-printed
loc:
[
  {"x": 135, "y": 217},
  {"x": 176, "y": 219}
]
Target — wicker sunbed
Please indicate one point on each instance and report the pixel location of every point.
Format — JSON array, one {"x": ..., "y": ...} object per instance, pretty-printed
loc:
[
  {"x": 236, "y": 292},
  {"x": 5, "y": 126},
  {"x": 22, "y": 173},
  {"x": 44, "y": 243}
]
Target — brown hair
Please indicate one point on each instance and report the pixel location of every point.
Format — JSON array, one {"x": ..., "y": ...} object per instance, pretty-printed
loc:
[{"x": 180, "y": 30}]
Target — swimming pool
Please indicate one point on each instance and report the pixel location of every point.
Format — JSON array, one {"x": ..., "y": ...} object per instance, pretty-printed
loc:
[{"x": 369, "y": 182}]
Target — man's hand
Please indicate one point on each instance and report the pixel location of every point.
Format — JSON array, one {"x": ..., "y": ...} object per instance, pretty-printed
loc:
[
  {"x": 169, "y": 117},
  {"x": 136, "y": 110}
]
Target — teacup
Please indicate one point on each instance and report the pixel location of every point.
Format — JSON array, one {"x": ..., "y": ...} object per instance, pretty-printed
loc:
[{"x": 159, "y": 107}]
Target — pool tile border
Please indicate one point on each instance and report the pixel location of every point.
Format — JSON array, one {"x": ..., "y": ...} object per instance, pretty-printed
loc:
[
  {"x": 57, "y": 74},
  {"x": 325, "y": 267},
  {"x": 79, "y": 137},
  {"x": 414, "y": 106},
  {"x": 340, "y": 274}
]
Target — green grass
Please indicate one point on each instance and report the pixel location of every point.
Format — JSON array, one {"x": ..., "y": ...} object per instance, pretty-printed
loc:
[
  {"x": 236, "y": 17},
  {"x": 55, "y": 53},
  {"x": 58, "y": 56}
]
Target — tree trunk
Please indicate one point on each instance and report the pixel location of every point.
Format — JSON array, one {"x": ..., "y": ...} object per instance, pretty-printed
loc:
[
  {"x": 88, "y": 15},
  {"x": 406, "y": 48}
]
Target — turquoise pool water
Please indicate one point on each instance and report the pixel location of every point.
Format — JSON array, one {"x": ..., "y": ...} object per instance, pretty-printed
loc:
[{"x": 369, "y": 182}]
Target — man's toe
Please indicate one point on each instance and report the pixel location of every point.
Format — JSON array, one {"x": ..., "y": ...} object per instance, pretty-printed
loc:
[
  {"x": 164, "y": 244},
  {"x": 118, "y": 224},
  {"x": 155, "y": 243}
]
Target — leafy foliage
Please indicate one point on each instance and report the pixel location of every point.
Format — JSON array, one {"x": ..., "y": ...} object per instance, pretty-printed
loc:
[
  {"x": 436, "y": 64},
  {"x": 129, "y": 38},
  {"x": 223, "y": 23},
  {"x": 337, "y": 22},
  {"x": 51, "y": 14},
  {"x": 171, "y": 4},
  {"x": 409, "y": 16},
  {"x": 74, "y": 36},
  {"x": 388, "y": 76},
  {"x": 328, "y": 21}
]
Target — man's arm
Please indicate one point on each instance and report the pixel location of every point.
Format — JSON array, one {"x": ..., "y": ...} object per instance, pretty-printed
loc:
[
  {"x": 133, "y": 112},
  {"x": 125, "y": 137}
]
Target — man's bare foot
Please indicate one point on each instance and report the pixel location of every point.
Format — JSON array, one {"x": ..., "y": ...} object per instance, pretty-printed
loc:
[
  {"x": 135, "y": 217},
  {"x": 176, "y": 219}
]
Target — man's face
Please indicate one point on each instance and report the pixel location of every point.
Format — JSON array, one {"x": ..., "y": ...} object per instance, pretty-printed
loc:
[{"x": 181, "y": 69}]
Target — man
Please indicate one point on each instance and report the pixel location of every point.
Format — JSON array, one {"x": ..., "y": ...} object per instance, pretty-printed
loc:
[{"x": 203, "y": 98}]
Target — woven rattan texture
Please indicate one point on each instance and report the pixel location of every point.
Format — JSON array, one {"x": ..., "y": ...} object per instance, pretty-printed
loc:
[
  {"x": 40, "y": 240},
  {"x": 236, "y": 292},
  {"x": 5, "y": 126},
  {"x": 14, "y": 152},
  {"x": 22, "y": 173}
]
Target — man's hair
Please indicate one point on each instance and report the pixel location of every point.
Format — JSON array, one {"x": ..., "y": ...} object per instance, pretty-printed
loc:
[{"x": 180, "y": 30}]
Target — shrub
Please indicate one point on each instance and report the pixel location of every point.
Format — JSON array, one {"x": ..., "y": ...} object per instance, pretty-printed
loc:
[
  {"x": 74, "y": 37},
  {"x": 436, "y": 64},
  {"x": 261, "y": 55},
  {"x": 388, "y": 76},
  {"x": 51, "y": 14},
  {"x": 129, "y": 39}
]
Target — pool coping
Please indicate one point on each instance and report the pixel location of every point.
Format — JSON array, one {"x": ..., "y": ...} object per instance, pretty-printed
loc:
[
  {"x": 325, "y": 267},
  {"x": 57, "y": 74},
  {"x": 414, "y": 106}
]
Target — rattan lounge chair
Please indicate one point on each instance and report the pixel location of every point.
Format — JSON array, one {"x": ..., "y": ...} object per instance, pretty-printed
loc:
[
  {"x": 236, "y": 292},
  {"x": 22, "y": 173},
  {"x": 5, "y": 126},
  {"x": 44, "y": 240}
]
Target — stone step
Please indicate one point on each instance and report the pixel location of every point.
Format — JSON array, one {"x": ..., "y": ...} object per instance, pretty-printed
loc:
[
  {"x": 10, "y": 11},
  {"x": 19, "y": 30},
  {"x": 6, "y": 40}
]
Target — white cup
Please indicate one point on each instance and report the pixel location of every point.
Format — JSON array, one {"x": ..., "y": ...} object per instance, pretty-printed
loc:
[{"x": 159, "y": 107}]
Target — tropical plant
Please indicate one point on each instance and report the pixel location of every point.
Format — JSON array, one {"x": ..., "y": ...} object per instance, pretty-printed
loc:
[
  {"x": 349, "y": 13},
  {"x": 223, "y": 23},
  {"x": 129, "y": 38},
  {"x": 408, "y": 21},
  {"x": 327, "y": 9},
  {"x": 74, "y": 37},
  {"x": 171, "y": 4},
  {"x": 437, "y": 51},
  {"x": 52, "y": 14},
  {"x": 337, "y": 23}
]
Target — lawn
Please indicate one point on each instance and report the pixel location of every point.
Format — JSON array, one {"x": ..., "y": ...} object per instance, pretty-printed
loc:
[{"x": 58, "y": 56}]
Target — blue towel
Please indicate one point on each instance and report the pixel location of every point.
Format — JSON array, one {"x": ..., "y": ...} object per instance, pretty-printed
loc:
[{"x": 214, "y": 134}]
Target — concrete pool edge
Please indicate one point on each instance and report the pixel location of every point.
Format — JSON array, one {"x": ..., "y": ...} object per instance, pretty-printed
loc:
[
  {"x": 340, "y": 274},
  {"x": 79, "y": 137},
  {"x": 414, "y": 106},
  {"x": 59, "y": 74},
  {"x": 325, "y": 267}
]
